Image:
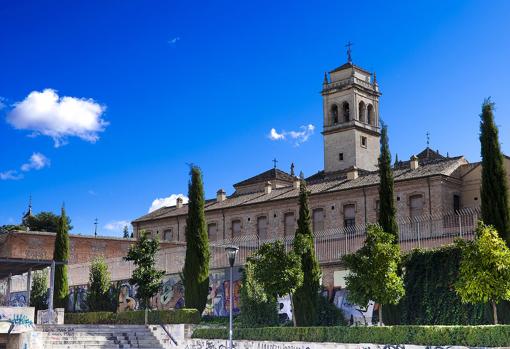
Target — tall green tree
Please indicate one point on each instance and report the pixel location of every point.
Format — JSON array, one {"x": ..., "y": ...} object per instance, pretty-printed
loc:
[
  {"x": 277, "y": 271},
  {"x": 98, "y": 294},
  {"x": 494, "y": 190},
  {"x": 146, "y": 276},
  {"x": 126, "y": 232},
  {"x": 484, "y": 273},
  {"x": 45, "y": 221},
  {"x": 258, "y": 308},
  {"x": 374, "y": 271},
  {"x": 196, "y": 265},
  {"x": 306, "y": 297},
  {"x": 61, "y": 254},
  {"x": 387, "y": 210},
  {"x": 39, "y": 290}
]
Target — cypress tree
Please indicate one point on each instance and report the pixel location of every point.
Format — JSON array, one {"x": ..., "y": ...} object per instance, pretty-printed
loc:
[
  {"x": 387, "y": 211},
  {"x": 61, "y": 254},
  {"x": 306, "y": 297},
  {"x": 494, "y": 190},
  {"x": 196, "y": 265}
]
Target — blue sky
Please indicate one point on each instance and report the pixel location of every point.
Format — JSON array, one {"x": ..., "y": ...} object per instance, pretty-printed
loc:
[{"x": 170, "y": 83}]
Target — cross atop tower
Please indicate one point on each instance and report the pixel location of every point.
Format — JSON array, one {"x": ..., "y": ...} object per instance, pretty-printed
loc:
[
  {"x": 275, "y": 162},
  {"x": 349, "y": 57}
]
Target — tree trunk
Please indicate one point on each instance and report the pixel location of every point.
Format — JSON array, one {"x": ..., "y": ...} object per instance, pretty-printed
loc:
[
  {"x": 380, "y": 315},
  {"x": 293, "y": 313},
  {"x": 495, "y": 312}
]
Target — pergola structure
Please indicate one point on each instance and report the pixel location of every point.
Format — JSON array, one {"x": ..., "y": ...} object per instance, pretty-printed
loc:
[{"x": 18, "y": 266}]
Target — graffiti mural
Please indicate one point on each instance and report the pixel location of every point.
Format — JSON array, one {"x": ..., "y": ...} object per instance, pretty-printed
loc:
[
  {"x": 16, "y": 319},
  {"x": 78, "y": 298},
  {"x": 171, "y": 295},
  {"x": 218, "y": 300},
  {"x": 18, "y": 299},
  {"x": 355, "y": 314},
  {"x": 127, "y": 299}
]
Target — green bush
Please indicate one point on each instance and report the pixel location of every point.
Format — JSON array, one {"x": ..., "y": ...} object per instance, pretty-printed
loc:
[
  {"x": 180, "y": 316},
  {"x": 329, "y": 314},
  {"x": 487, "y": 336}
]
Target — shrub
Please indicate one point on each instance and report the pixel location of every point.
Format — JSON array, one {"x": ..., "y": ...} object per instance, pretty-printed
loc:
[
  {"x": 487, "y": 336},
  {"x": 329, "y": 314},
  {"x": 179, "y": 316}
]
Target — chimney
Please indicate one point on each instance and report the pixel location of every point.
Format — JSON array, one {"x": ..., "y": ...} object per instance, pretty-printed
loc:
[
  {"x": 414, "y": 162},
  {"x": 178, "y": 202},
  {"x": 221, "y": 195},
  {"x": 268, "y": 187},
  {"x": 352, "y": 173},
  {"x": 296, "y": 183}
]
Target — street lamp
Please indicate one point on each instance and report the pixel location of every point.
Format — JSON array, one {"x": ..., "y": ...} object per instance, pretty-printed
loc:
[{"x": 231, "y": 254}]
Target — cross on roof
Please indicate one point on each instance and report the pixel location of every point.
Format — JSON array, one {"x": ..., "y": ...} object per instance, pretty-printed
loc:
[
  {"x": 349, "y": 45},
  {"x": 275, "y": 162}
]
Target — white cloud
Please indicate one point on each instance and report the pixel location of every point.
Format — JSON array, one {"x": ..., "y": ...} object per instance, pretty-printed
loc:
[
  {"x": 298, "y": 137},
  {"x": 10, "y": 175},
  {"x": 92, "y": 192},
  {"x": 168, "y": 201},
  {"x": 117, "y": 226},
  {"x": 48, "y": 114},
  {"x": 173, "y": 41},
  {"x": 36, "y": 162}
]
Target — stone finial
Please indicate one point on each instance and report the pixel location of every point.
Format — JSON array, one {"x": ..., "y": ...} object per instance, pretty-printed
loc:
[
  {"x": 292, "y": 169},
  {"x": 352, "y": 173},
  {"x": 179, "y": 202},
  {"x": 268, "y": 187},
  {"x": 326, "y": 81},
  {"x": 414, "y": 162},
  {"x": 221, "y": 195},
  {"x": 375, "y": 79}
]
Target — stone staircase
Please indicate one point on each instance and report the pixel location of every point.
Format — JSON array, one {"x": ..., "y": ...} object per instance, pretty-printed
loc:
[{"x": 97, "y": 337}]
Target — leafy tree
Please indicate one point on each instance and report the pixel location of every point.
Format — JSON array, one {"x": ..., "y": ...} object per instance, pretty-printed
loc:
[
  {"x": 39, "y": 291},
  {"x": 387, "y": 210},
  {"x": 45, "y": 221},
  {"x": 374, "y": 271},
  {"x": 278, "y": 272},
  {"x": 196, "y": 265},
  {"x": 484, "y": 273},
  {"x": 494, "y": 190},
  {"x": 306, "y": 297},
  {"x": 12, "y": 227},
  {"x": 257, "y": 307},
  {"x": 98, "y": 296},
  {"x": 145, "y": 276},
  {"x": 126, "y": 232},
  {"x": 61, "y": 254}
]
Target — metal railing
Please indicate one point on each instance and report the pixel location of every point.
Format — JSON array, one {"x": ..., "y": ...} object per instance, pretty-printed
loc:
[{"x": 426, "y": 231}]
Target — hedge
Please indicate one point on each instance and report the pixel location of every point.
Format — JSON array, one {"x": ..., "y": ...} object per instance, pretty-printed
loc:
[
  {"x": 474, "y": 336},
  {"x": 179, "y": 316}
]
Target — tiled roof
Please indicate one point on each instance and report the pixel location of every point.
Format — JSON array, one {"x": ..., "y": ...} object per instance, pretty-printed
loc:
[
  {"x": 349, "y": 65},
  {"x": 318, "y": 185},
  {"x": 268, "y": 175}
]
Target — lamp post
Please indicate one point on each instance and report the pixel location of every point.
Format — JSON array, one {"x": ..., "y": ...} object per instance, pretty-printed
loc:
[{"x": 231, "y": 254}]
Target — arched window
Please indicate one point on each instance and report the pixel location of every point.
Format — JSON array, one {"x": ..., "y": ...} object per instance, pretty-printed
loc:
[
  {"x": 370, "y": 115},
  {"x": 416, "y": 205},
  {"x": 345, "y": 112},
  {"x": 334, "y": 114},
  {"x": 361, "y": 112},
  {"x": 349, "y": 216},
  {"x": 168, "y": 235},
  {"x": 236, "y": 228},
  {"x": 318, "y": 219}
]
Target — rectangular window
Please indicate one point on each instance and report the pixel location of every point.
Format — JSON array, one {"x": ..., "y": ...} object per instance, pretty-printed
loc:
[
  {"x": 363, "y": 141},
  {"x": 262, "y": 227},
  {"x": 289, "y": 226},
  {"x": 349, "y": 216},
  {"x": 168, "y": 235},
  {"x": 212, "y": 231},
  {"x": 236, "y": 228},
  {"x": 456, "y": 203},
  {"x": 416, "y": 206},
  {"x": 318, "y": 219},
  {"x": 341, "y": 157}
]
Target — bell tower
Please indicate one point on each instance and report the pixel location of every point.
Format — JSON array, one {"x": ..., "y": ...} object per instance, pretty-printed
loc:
[{"x": 351, "y": 128}]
